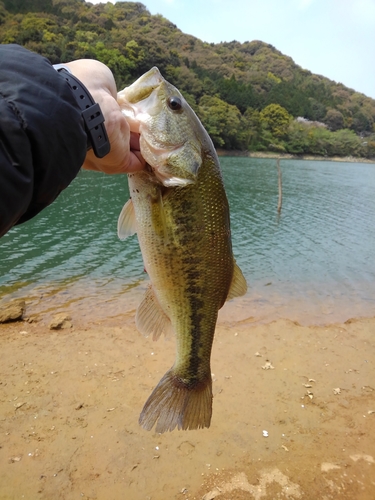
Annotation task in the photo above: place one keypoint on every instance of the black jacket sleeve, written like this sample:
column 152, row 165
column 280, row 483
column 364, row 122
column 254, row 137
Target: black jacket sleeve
column 43, row 141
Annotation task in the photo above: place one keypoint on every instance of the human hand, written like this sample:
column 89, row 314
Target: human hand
column 125, row 155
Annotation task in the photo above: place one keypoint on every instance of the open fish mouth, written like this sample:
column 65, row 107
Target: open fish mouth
column 137, row 100
column 143, row 87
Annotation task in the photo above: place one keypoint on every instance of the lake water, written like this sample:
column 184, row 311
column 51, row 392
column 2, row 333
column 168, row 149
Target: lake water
column 314, row 263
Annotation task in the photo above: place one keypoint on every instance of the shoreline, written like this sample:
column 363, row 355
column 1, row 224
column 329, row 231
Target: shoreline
column 287, row 156
column 42, row 305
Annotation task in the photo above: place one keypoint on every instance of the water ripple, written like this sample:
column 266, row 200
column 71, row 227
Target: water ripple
column 318, row 254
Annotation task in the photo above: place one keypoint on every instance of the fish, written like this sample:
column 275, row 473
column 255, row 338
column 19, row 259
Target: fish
column 179, row 210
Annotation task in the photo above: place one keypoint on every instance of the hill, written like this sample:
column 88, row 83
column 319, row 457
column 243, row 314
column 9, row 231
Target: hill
column 248, row 95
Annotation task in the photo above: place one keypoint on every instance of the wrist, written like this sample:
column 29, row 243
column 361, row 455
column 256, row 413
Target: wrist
column 91, row 113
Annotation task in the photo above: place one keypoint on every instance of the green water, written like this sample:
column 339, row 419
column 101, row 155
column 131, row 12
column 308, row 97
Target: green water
column 314, row 262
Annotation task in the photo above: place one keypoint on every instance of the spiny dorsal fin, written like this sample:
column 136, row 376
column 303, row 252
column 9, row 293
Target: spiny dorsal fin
column 238, row 287
column 150, row 318
column 126, row 224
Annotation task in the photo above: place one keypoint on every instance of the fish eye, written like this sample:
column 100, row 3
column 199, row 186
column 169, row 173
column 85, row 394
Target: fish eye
column 174, row 103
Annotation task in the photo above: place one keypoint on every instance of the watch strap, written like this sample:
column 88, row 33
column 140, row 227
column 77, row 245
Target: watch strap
column 91, row 113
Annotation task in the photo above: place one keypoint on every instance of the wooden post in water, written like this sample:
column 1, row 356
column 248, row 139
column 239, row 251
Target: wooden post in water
column 279, row 205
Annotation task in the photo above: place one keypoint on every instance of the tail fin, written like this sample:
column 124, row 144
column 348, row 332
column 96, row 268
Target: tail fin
column 175, row 404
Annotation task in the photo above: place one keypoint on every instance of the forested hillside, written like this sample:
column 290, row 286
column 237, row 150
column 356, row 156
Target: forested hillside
column 249, row 96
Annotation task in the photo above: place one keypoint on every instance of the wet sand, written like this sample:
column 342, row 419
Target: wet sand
column 293, row 413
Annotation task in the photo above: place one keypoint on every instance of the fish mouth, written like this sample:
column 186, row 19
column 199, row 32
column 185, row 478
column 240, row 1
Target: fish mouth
column 134, row 99
column 144, row 86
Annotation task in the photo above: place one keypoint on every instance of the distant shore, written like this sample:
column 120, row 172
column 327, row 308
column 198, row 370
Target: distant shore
column 287, row 156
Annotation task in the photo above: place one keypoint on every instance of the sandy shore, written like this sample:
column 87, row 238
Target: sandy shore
column 293, row 414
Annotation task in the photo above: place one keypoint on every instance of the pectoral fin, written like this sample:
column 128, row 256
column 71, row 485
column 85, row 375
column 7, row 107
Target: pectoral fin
column 238, row 286
column 150, row 318
column 126, row 224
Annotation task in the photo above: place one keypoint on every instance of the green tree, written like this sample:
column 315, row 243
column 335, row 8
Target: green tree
column 362, row 121
column 256, row 136
column 117, row 62
column 319, row 141
column 236, row 93
column 298, row 138
column 334, row 119
column 369, row 147
column 276, row 119
column 345, row 143
column 222, row 122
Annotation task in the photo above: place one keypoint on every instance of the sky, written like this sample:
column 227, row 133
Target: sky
column 333, row 38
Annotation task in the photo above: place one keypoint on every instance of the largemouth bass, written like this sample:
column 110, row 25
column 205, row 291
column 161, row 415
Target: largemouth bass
column 180, row 212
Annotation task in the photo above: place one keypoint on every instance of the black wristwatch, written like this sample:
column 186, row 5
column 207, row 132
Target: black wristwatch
column 91, row 113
